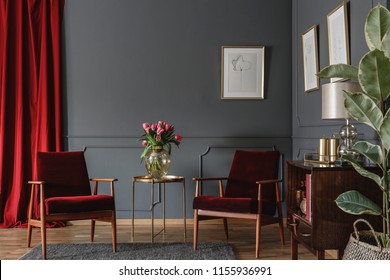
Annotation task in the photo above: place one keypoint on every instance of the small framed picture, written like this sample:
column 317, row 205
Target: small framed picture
column 242, row 72
column 310, row 58
column 338, row 41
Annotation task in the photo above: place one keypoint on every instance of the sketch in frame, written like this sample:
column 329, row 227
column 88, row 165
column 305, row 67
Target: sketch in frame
column 338, row 41
column 242, row 72
column 310, row 59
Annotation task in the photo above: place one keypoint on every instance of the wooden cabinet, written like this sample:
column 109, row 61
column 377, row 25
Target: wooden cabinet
column 330, row 227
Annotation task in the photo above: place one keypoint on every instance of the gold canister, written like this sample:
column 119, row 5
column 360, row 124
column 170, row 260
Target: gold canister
column 323, row 150
column 333, row 148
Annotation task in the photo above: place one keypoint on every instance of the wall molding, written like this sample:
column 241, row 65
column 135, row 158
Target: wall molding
column 186, row 137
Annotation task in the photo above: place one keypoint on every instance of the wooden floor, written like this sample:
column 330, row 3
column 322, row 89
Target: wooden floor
column 241, row 237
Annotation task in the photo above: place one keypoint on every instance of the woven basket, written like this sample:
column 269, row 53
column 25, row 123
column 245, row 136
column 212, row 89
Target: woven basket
column 364, row 245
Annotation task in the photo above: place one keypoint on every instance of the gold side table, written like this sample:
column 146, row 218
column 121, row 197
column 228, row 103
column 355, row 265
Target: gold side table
column 161, row 183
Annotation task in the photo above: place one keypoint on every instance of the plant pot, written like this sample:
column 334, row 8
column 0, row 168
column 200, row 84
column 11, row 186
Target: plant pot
column 365, row 245
column 157, row 162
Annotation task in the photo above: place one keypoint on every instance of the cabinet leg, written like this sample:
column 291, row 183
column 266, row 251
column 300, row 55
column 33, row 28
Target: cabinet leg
column 321, row 255
column 340, row 254
column 294, row 248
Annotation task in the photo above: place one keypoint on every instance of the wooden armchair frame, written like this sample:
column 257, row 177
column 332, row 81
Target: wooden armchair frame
column 106, row 215
column 261, row 220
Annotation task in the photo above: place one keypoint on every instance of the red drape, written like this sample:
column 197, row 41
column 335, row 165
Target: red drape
column 30, row 97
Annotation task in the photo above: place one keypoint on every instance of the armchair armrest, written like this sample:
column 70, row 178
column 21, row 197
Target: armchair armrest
column 269, row 181
column 210, row 179
column 36, row 182
column 105, row 180
column 276, row 181
column 198, row 180
column 34, row 189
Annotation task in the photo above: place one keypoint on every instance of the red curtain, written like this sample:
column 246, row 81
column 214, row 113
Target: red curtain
column 30, row 97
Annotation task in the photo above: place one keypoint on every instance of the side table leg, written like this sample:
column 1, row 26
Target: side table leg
column 152, row 209
column 163, row 207
column 132, row 214
column 184, row 210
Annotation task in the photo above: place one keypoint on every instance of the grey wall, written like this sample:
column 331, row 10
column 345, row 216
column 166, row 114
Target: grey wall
column 135, row 61
column 307, row 124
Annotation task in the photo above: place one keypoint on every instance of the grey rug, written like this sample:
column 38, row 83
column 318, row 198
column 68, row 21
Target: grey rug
column 133, row 251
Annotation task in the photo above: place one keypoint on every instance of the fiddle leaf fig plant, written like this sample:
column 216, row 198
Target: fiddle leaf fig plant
column 369, row 107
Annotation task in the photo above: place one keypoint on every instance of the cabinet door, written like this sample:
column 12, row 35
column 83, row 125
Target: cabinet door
column 332, row 226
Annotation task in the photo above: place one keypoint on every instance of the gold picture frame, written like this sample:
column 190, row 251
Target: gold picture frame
column 310, row 58
column 338, row 38
column 242, row 72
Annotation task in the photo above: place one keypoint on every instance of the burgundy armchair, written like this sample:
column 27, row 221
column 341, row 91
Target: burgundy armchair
column 65, row 194
column 252, row 192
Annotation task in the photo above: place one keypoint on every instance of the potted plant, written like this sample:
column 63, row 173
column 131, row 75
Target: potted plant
column 156, row 137
column 371, row 108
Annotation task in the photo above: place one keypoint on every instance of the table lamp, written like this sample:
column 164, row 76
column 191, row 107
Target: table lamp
column 333, row 109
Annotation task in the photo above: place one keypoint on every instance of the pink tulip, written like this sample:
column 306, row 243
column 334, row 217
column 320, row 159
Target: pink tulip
column 167, row 126
column 178, row 138
column 147, row 130
column 144, row 143
column 171, row 128
column 158, row 138
column 145, row 125
column 160, row 131
column 153, row 127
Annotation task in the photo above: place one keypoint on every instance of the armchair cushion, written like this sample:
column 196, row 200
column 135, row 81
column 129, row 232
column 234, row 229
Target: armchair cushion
column 64, row 173
column 225, row 204
column 228, row 204
column 247, row 168
column 77, row 204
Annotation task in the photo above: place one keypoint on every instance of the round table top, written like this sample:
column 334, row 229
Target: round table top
column 165, row 179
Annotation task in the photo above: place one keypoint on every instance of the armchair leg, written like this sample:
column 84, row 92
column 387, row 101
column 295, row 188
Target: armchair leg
column 196, row 224
column 258, row 231
column 29, row 217
column 281, row 232
column 93, row 222
column 29, row 233
column 280, row 218
column 113, row 228
column 42, row 213
column 225, row 226
column 43, row 237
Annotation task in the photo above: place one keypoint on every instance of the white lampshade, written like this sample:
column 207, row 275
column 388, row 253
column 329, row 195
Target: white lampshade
column 333, row 99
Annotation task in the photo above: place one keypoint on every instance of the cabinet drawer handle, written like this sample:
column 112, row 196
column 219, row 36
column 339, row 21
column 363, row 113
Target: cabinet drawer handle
column 305, row 234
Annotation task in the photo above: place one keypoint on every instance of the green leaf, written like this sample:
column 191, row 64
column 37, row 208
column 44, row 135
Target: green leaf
column 362, row 171
column 344, row 71
column 377, row 24
column 386, row 44
column 384, row 132
column 385, row 240
column 370, row 151
column 363, row 109
column 353, row 202
column 374, row 69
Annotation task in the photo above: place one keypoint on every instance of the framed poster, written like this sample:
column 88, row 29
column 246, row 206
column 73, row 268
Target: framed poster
column 310, row 58
column 242, row 72
column 338, row 36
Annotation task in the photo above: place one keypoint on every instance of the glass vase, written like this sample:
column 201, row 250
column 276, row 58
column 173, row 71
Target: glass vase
column 157, row 162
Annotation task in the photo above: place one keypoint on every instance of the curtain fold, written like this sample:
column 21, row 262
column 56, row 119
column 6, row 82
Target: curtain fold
column 30, row 97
